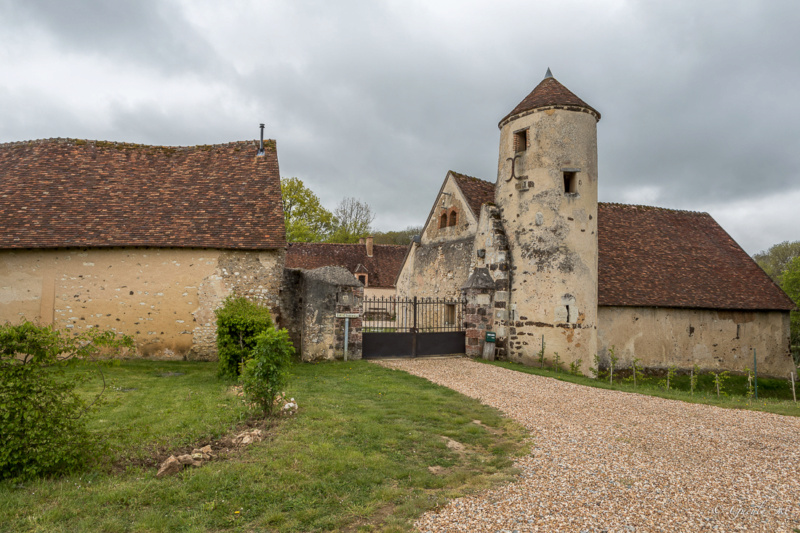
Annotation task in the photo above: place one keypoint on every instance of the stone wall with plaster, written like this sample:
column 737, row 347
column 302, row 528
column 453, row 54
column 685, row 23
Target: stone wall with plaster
column 163, row 297
column 450, row 201
column 436, row 270
column 552, row 233
column 311, row 310
column 713, row 340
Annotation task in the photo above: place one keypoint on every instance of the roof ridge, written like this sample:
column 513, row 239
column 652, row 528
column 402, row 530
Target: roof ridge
column 102, row 143
column 654, row 207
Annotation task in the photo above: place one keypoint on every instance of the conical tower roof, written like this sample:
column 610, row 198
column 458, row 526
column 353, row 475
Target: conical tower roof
column 550, row 93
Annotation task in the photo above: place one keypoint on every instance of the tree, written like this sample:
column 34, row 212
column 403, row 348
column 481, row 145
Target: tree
column 353, row 220
column 790, row 282
column 775, row 260
column 397, row 237
column 306, row 220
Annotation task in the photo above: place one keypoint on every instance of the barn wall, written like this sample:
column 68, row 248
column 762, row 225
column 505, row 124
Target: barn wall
column 163, row 298
column 714, row 340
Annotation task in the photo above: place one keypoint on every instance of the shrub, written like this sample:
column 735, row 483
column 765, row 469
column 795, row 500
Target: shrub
column 42, row 429
column 239, row 322
column 266, row 372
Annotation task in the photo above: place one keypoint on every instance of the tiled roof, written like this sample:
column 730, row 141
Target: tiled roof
column 656, row 257
column 62, row 193
column 476, row 191
column 550, row 92
column 382, row 267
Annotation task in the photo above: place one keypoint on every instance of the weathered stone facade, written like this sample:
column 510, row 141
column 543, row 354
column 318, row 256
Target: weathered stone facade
column 712, row 339
column 163, row 297
column 311, row 299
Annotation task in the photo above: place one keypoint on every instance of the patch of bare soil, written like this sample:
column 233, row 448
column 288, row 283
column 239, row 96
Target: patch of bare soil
column 223, row 447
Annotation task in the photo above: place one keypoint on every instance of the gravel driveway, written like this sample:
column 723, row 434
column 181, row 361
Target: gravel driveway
column 618, row 462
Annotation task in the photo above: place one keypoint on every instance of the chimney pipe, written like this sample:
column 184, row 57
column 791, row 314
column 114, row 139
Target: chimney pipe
column 369, row 246
column 261, row 146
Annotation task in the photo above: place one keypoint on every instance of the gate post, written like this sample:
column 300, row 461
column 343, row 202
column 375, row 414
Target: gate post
column 478, row 292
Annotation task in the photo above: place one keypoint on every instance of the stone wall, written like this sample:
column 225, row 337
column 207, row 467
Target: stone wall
column 163, row 297
column 436, row 270
column 310, row 300
column 713, row 340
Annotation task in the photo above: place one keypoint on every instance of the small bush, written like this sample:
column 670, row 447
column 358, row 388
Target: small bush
column 239, row 322
column 42, row 429
column 266, row 373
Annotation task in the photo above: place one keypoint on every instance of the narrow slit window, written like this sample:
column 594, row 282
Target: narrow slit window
column 570, row 182
column 568, row 315
column 521, row 141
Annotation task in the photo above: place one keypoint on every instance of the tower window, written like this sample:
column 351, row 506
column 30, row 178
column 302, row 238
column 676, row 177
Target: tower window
column 570, row 182
column 443, row 221
column 520, row 141
column 453, row 218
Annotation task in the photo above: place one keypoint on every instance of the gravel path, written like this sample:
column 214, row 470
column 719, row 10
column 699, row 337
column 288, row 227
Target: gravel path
column 618, row 462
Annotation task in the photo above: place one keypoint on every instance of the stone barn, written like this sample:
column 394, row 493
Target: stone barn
column 665, row 286
column 144, row 240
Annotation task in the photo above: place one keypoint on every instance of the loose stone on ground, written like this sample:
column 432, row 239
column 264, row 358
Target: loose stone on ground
column 619, row 462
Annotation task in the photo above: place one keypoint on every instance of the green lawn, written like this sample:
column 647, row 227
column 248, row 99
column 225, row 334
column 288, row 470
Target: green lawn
column 774, row 395
column 354, row 458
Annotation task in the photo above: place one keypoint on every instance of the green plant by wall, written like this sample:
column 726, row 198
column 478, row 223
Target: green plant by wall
column 239, row 322
column 670, row 379
column 612, row 357
column 693, row 377
column 637, row 375
column 556, row 362
column 575, row 367
column 266, row 373
column 595, row 370
column 42, row 424
column 719, row 381
column 541, row 355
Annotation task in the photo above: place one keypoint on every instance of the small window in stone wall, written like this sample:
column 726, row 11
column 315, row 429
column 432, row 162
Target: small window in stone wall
column 453, row 218
column 520, row 141
column 570, row 182
column 443, row 221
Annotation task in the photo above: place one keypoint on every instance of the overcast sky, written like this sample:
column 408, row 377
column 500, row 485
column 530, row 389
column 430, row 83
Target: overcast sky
column 700, row 101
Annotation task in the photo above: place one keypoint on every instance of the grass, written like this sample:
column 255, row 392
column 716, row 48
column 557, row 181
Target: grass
column 774, row 395
column 356, row 457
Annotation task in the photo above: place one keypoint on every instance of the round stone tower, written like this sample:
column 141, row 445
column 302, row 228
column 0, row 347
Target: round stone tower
column 547, row 191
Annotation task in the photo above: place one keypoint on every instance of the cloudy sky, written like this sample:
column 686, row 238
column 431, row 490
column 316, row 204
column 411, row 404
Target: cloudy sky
column 378, row 99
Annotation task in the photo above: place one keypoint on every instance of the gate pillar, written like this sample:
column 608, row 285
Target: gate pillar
column 478, row 292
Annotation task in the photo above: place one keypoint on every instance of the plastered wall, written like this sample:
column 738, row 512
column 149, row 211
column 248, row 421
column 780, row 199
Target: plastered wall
column 436, row 270
column 163, row 298
column 552, row 235
column 713, row 340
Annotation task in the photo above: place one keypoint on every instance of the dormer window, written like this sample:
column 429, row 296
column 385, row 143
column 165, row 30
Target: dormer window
column 363, row 279
column 520, row 140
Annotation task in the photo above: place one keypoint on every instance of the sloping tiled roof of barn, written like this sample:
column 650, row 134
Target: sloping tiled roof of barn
column 550, row 93
column 382, row 267
column 476, row 191
column 655, row 257
column 63, row 193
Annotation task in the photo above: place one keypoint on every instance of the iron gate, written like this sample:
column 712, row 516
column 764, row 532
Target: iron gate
column 409, row 327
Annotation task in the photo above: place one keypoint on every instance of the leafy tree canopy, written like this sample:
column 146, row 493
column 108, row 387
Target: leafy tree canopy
column 306, row 219
column 353, row 220
column 775, row 260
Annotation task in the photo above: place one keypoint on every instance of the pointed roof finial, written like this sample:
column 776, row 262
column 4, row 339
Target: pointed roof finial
column 548, row 74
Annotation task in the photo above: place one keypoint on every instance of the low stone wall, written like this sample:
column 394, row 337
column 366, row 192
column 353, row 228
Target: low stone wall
column 311, row 299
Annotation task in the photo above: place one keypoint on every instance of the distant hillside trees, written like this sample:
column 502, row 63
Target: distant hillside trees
column 397, row 237
column 782, row 263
